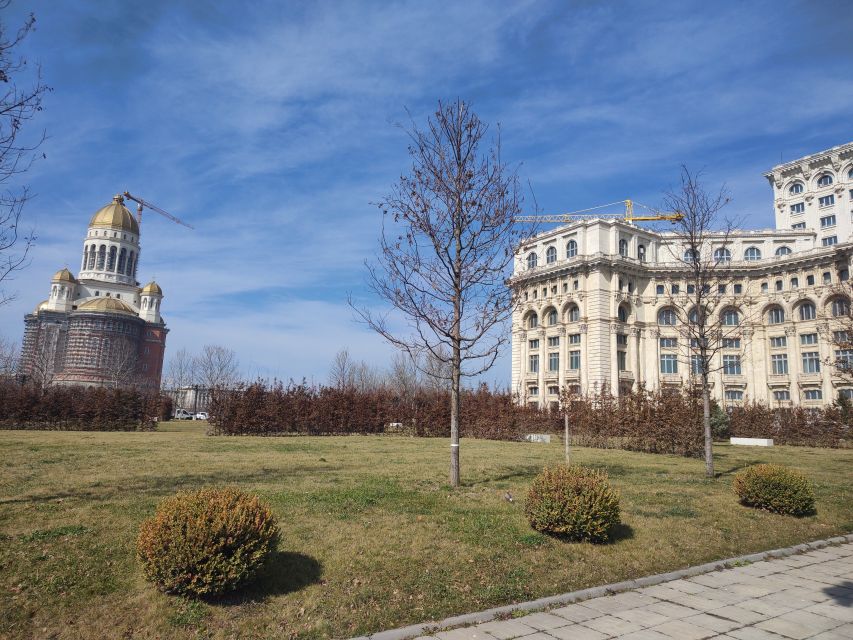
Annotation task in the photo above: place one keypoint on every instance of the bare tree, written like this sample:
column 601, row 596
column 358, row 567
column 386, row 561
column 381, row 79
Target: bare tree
column 708, row 313
column 9, row 351
column 366, row 377
column 341, row 371
column 181, row 372
column 840, row 331
column 42, row 367
column 18, row 105
column 437, row 370
column 216, row 366
column 121, row 364
column 444, row 256
column 404, row 376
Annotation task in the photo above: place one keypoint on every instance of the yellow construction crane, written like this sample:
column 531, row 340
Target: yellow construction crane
column 140, row 203
column 628, row 215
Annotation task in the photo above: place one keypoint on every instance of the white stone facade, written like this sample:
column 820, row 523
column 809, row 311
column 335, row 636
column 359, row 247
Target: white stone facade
column 591, row 295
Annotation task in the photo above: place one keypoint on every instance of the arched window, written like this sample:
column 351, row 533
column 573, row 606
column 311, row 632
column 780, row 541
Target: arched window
column 533, row 321
column 102, row 257
column 825, row 180
column 130, row 264
column 85, row 258
column 850, row 173
column 92, row 251
column 784, row 250
column 111, row 261
column 693, row 316
column 641, row 253
column 552, row 317
column 623, row 248
column 691, row 255
column 573, row 314
column 622, row 313
column 531, row 260
column 571, row 249
column 807, row 311
column 775, row 315
column 667, row 317
column 722, row 255
column 797, row 187
column 753, row 253
column 122, row 259
column 551, row 255
column 840, row 307
column 730, row 317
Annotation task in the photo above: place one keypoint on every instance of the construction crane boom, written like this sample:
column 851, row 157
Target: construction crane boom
column 140, row 203
column 627, row 215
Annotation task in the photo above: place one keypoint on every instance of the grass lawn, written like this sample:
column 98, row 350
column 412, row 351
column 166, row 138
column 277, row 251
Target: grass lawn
column 372, row 538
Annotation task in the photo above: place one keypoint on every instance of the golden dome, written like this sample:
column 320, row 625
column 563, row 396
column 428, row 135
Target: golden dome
column 152, row 288
column 64, row 275
column 115, row 216
column 41, row 305
column 106, row 305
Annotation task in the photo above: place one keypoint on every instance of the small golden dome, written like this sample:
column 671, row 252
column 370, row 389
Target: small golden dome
column 152, row 288
column 115, row 216
column 64, row 275
column 41, row 305
column 106, row 305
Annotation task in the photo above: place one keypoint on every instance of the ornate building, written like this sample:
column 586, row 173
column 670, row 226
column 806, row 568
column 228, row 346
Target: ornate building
column 100, row 328
column 598, row 299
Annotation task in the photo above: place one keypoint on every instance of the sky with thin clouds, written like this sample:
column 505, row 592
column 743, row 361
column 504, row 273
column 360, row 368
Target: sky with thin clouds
column 272, row 127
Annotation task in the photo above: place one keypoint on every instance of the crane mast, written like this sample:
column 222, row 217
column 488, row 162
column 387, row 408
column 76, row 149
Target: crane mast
column 628, row 215
column 140, row 204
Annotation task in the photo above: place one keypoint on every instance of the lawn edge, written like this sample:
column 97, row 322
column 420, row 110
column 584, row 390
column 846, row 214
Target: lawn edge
column 548, row 602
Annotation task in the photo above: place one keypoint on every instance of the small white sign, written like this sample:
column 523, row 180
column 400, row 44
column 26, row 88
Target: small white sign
column 753, row 442
column 544, row 438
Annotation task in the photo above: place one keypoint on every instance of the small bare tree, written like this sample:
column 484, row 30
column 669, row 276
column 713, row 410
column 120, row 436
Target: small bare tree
column 18, row 105
column 708, row 312
column 216, row 366
column 9, row 352
column 42, row 367
column 445, row 252
column 181, row 372
column 121, row 364
column 341, row 371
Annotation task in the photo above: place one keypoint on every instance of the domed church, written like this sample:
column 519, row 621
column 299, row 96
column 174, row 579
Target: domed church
column 100, row 328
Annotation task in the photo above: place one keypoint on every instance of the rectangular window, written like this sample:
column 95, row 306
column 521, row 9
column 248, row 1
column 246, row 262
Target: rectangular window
column 782, row 396
column 779, row 361
column 721, row 288
column 811, row 362
column 533, row 391
column 622, row 360
column 798, row 207
column 668, row 343
column 621, row 339
column 808, row 338
column 554, row 341
column 565, row 287
column 659, row 290
column 696, row 365
column 829, row 241
column 553, row 390
column 574, row 360
column 691, row 288
column 734, row 394
column 731, row 343
column 826, row 201
column 534, row 364
column 799, row 225
column 575, row 285
column 554, row 361
column 668, row 363
column 778, row 285
column 777, row 342
column 534, row 344
column 764, row 287
column 827, row 277
column 827, row 221
column 738, row 288
column 840, row 337
column 813, row 394
column 731, row 365
column 575, row 338
column 844, row 359
column 675, row 288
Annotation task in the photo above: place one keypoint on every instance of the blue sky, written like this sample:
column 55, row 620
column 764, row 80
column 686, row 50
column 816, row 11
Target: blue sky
column 269, row 126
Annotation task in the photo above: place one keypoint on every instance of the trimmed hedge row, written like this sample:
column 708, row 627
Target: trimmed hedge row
column 63, row 408
column 826, row 427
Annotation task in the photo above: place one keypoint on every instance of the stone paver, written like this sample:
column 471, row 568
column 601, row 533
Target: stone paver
column 798, row 597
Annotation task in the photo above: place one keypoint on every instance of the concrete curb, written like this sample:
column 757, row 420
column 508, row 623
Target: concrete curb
column 428, row 628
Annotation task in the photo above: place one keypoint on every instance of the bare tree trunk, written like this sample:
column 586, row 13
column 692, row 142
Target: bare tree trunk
column 455, row 406
column 706, row 423
column 567, row 436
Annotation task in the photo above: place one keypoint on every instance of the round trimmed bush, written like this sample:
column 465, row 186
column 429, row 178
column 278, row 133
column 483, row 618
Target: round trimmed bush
column 574, row 503
column 775, row 488
column 206, row 542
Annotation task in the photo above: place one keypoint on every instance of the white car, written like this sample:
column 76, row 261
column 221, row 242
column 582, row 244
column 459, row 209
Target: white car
column 201, row 415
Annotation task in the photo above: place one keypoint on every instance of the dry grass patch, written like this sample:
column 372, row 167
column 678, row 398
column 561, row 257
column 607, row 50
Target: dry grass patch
column 371, row 536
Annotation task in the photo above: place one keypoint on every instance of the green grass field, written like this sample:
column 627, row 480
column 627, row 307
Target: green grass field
column 372, row 538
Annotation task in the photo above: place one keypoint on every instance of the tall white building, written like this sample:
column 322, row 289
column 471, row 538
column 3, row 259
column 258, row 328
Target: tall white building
column 596, row 299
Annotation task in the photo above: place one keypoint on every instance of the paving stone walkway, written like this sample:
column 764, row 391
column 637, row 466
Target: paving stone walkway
column 809, row 595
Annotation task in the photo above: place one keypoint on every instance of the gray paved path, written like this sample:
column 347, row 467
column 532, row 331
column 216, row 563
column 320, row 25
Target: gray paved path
column 801, row 596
